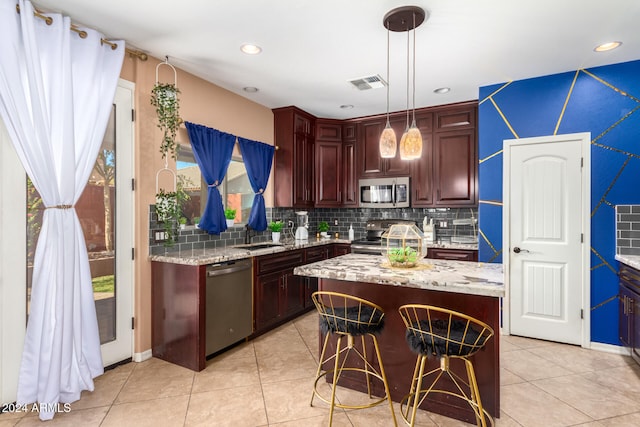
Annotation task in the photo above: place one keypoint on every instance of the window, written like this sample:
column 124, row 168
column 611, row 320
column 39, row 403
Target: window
column 236, row 189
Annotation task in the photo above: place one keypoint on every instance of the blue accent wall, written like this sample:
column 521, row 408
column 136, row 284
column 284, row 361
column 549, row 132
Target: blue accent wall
column 604, row 101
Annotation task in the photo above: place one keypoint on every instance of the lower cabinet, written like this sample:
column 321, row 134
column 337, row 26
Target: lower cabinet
column 453, row 254
column 277, row 291
column 629, row 297
column 279, row 295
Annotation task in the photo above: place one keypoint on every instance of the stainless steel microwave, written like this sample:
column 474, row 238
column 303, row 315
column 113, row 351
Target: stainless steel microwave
column 384, row 192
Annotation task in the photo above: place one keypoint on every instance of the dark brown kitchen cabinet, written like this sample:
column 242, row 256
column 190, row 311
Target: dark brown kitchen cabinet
column 455, row 162
column 314, row 254
column 447, row 172
column 371, row 165
column 349, row 167
column 336, row 179
column 278, row 293
column 341, row 249
column 293, row 173
column 453, row 254
column 178, row 314
column 328, row 159
column 629, row 297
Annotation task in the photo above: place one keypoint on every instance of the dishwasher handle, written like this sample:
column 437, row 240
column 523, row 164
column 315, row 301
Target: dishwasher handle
column 226, row 268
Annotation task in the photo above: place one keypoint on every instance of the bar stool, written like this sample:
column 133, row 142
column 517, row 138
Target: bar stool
column 348, row 317
column 445, row 334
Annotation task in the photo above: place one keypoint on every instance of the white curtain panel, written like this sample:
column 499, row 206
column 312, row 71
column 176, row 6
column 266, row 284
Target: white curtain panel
column 56, row 93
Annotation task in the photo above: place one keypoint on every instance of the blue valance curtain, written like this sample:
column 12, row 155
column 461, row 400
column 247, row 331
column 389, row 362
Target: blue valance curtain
column 258, row 158
column 212, row 150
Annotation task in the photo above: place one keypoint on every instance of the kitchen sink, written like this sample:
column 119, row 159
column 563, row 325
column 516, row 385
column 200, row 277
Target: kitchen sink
column 257, row 246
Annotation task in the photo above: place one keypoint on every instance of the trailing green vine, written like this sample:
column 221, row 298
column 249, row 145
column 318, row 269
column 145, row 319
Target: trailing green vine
column 168, row 212
column 164, row 97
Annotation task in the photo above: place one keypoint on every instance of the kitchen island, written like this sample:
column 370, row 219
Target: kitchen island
column 468, row 287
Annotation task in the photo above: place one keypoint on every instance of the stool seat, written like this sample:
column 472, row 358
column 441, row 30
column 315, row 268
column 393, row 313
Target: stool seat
column 440, row 337
column 435, row 332
column 356, row 320
column 347, row 316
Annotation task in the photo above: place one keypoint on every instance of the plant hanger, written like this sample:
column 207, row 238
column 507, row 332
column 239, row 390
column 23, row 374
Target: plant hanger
column 175, row 74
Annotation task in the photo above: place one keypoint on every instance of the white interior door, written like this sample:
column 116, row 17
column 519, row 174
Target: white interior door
column 545, row 211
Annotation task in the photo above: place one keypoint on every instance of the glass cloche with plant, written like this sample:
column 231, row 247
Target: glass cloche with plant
column 403, row 243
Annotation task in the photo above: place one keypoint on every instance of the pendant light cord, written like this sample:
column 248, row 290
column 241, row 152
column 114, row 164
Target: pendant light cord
column 408, row 78
column 388, row 50
column 414, row 69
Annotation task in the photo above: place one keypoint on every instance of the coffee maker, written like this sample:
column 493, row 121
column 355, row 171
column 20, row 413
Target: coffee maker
column 302, row 232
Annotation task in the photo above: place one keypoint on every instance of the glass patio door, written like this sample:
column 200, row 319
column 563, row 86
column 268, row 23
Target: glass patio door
column 105, row 211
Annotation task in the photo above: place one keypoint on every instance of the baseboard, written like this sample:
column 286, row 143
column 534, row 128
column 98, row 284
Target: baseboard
column 610, row 348
column 141, row 357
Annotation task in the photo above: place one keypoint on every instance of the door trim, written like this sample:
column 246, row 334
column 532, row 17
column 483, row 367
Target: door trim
column 583, row 138
column 122, row 348
column 13, row 271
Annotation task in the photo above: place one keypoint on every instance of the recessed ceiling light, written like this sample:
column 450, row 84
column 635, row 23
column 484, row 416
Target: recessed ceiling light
column 441, row 90
column 250, row 89
column 346, row 106
column 250, row 49
column 607, row 46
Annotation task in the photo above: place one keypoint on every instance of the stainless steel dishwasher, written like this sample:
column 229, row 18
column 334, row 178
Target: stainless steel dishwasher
column 229, row 304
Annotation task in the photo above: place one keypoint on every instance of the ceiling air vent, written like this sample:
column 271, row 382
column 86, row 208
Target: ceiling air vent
column 368, row 82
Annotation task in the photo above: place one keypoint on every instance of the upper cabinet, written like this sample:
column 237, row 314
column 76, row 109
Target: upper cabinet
column 319, row 161
column 349, row 170
column 294, row 159
column 370, row 164
column 334, row 161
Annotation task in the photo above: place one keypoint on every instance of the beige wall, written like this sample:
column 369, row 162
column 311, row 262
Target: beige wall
column 202, row 103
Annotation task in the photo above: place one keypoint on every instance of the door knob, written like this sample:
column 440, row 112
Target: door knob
column 518, row 250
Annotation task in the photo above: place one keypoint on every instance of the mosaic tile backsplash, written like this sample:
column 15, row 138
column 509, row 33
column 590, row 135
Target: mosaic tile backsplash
column 628, row 229
column 194, row 238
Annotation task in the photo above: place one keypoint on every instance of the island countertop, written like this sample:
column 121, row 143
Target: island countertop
column 474, row 278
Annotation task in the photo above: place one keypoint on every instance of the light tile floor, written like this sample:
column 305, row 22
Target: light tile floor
column 267, row 382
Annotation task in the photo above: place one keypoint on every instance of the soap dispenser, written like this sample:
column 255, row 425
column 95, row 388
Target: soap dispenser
column 351, row 233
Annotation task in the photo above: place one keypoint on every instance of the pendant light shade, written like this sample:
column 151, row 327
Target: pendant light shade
column 388, row 141
column 411, row 143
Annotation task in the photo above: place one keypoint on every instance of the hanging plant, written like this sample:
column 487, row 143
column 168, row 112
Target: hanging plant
column 164, row 97
column 168, row 212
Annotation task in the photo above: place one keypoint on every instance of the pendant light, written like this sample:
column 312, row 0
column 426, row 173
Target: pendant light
column 405, row 19
column 388, row 140
column 411, row 143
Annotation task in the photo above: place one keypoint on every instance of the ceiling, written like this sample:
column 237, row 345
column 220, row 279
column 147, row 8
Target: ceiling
column 310, row 50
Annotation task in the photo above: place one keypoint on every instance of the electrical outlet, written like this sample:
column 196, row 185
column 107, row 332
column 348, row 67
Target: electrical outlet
column 335, row 221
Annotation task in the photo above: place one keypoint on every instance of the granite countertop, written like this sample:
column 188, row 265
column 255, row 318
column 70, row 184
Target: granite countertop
column 632, row 261
column 473, row 278
column 228, row 253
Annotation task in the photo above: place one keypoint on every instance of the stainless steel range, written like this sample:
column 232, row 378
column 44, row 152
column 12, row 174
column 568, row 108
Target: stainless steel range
column 372, row 243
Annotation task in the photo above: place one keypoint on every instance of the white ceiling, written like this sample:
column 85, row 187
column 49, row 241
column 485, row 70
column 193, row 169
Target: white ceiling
column 311, row 49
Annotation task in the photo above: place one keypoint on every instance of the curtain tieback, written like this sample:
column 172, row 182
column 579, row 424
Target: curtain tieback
column 60, row 207
column 215, row 184
column 260, row 191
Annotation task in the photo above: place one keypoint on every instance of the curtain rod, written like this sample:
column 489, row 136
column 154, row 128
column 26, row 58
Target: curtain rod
column 83, row 34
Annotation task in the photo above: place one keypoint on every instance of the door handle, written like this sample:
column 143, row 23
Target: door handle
column 518, row 250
